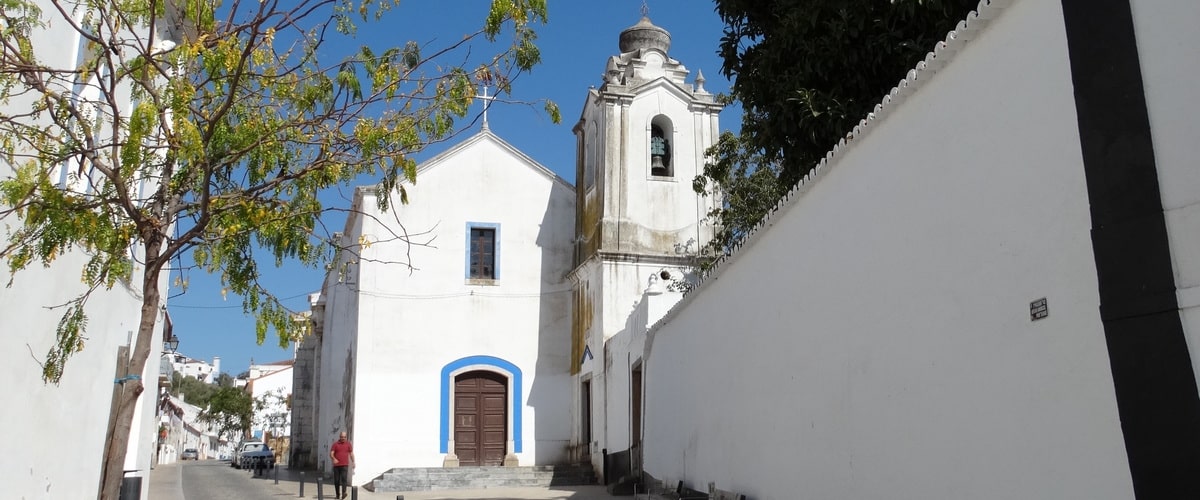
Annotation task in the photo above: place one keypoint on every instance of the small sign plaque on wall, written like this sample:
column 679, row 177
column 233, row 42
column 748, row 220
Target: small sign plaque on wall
column 1038, row 309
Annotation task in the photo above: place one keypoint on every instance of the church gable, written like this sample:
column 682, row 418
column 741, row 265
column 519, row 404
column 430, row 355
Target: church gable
column 495, row 155
column 480, row 213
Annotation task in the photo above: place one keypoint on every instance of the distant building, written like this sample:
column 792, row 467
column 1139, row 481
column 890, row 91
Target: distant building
column 271, row 384
column 197, row 369
column 180, row 428
column 262, row 370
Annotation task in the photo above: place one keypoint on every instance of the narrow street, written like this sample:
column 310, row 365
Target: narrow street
column 216, row 480
column 209, row 480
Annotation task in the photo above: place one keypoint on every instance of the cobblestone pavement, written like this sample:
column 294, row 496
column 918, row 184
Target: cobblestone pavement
column 216, row 480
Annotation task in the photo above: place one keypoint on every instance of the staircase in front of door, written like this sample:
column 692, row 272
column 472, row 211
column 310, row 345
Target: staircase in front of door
column 458, row 478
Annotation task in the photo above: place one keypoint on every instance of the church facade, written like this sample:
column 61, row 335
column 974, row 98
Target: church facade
column 469, row 330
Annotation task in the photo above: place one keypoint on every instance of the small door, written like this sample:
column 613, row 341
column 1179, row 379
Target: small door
column 480, row 418
column 635, row 410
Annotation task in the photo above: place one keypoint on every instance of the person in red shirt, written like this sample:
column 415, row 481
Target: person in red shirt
column 342, row 454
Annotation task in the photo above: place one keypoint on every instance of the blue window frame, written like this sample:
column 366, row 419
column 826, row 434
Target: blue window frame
column 483, row 251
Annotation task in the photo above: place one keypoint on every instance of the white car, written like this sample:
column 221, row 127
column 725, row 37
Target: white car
column 236, row 462
column 255, row 456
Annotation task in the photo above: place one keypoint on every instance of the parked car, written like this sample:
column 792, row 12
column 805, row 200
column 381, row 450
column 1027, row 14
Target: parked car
column 236, row 461
column 254, row 453
column 190, row 454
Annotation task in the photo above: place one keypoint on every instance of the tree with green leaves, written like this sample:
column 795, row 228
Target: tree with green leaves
column 195, row 391
column 188, row 127
column 805, row 72
column 272, row 412
column 230, row 411
column 225, row 380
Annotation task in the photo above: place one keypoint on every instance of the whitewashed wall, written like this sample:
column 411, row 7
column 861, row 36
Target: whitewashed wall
column 73, row 414
column 622, row 354
column 334, row 361
column 619, row 318
column 657, row 203
column 875, row 341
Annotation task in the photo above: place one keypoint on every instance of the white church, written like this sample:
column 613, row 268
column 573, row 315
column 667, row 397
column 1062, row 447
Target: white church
column 468, row 330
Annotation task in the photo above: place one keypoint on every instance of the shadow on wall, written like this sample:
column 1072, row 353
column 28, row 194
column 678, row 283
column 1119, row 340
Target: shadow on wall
column 348, row 385
column 345, row 420
column 550, row 391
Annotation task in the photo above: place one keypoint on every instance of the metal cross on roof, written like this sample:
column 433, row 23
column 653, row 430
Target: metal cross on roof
column 487, row 102
column 645, row 9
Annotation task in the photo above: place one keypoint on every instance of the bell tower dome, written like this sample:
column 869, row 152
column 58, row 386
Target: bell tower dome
column 645, row 35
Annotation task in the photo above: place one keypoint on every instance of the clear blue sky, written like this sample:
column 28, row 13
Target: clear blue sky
column 575, row 45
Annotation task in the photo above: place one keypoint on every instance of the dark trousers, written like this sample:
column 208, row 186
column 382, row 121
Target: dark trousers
column 341, row 485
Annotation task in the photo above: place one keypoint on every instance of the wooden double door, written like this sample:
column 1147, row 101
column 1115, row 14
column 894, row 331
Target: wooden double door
column 480, row 418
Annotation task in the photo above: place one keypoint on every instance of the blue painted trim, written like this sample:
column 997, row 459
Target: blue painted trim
column 495, row 251
column 514, row 382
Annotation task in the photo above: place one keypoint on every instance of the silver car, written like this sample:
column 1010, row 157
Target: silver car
column 190, row 454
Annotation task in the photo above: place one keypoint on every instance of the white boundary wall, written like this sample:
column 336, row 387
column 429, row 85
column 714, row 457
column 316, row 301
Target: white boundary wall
column 876, row 341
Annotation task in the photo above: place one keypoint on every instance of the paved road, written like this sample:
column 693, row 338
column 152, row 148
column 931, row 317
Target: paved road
column 216, row 480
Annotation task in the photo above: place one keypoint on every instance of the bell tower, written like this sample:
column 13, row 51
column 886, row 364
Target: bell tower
column 640, row 142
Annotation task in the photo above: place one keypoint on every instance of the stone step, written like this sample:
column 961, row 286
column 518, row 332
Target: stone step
column 449, row 478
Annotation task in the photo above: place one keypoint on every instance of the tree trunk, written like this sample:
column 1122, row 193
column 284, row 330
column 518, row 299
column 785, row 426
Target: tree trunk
column 120, row 422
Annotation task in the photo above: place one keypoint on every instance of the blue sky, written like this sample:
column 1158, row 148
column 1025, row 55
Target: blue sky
column 575, row 45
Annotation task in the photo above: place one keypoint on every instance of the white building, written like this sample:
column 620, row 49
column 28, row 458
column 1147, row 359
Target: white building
column 73, row 414
column 478, row 334
column 180, row 428
column 272, row 385
column 197, row 369
column 263, row 369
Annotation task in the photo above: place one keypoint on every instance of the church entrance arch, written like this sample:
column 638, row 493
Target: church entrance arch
column 480, row 418
column 481, row 406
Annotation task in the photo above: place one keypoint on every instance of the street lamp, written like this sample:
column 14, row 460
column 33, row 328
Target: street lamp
column 170, row 341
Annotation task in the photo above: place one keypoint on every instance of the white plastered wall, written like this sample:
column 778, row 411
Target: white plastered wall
column 875, row 340
column 76, row 410
column 336, row 360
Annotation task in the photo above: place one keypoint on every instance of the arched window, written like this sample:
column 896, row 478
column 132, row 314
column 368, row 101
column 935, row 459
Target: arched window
column 660, row 147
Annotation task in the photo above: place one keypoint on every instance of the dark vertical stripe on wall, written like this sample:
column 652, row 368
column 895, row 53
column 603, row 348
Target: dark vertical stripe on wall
column 1152, row 370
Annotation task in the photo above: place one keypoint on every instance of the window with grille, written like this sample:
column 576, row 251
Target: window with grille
column 483, row 253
